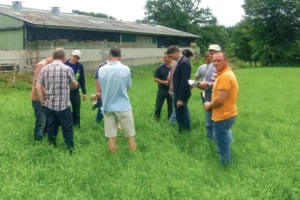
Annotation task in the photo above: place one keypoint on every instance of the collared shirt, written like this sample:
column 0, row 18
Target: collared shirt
column 226, row 81
column 201, row 71
column 172, row 70
column 115, row 80
column 210, row 76
column 57, row 77
column 179, row 59
column 37, row 70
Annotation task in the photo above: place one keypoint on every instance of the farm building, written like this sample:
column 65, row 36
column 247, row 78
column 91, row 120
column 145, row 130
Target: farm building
column 27, row 33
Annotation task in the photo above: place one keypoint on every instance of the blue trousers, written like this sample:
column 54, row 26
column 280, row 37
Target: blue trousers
column 223, row 136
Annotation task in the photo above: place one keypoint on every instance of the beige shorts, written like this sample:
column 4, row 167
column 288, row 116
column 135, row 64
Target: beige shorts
column 125, row 119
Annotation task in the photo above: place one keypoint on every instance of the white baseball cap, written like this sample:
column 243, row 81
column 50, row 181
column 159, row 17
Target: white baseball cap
column 214, row 47
column 76, row 53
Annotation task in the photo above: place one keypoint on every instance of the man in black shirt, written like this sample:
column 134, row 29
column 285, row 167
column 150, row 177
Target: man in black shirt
column 161, row 77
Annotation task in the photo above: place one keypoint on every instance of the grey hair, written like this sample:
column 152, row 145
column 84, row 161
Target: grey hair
column 59, row 53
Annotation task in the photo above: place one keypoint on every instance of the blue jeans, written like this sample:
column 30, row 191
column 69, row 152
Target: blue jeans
column 40, row 120
column 173, row 119
column 99, row 115
column 63, row 117
column 209, row 125
column 182, row 115
column 223, row 136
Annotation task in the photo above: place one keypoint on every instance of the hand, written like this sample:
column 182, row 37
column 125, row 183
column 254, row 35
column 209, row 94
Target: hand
column 203, row 85
column 166, row 82
column 84, row 97
column 179, row 103
column 98, row 94
column 207, row 105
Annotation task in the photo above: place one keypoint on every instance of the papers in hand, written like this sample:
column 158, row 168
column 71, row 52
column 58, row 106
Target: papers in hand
column 193, row 83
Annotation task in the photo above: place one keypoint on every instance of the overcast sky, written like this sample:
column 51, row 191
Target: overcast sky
column 228, row 12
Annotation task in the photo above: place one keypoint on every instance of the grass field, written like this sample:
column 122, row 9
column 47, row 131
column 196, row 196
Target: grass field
column 266, row 148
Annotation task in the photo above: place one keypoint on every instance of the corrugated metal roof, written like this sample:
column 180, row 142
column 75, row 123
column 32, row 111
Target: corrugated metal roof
column 70, row 20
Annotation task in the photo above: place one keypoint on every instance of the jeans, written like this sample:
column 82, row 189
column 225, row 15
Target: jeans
column 209, row 125
column 40, row 120
column 173, row 119
column 75, row 101
column 183, row 116
column 223, row 137
column 99, row 115
column 160, row 98
column 63, row 117
column 208, row 120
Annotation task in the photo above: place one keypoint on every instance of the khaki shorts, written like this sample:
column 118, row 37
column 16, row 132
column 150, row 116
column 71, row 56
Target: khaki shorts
column 125, row 119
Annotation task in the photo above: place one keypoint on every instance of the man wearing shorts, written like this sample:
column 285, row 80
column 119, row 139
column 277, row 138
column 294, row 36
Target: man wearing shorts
column 115, row 81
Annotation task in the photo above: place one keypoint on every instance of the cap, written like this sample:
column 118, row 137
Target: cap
column 76, row 53
column 214, row 47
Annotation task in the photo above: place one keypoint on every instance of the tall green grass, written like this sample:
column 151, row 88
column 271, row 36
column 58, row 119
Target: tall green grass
column 167, row 165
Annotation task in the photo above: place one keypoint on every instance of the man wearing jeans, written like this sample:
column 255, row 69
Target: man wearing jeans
column 115, row 81
column 57, row 78
column 223, row 106
column 161, row 77
column 207, row 85
column 182, row 90
column 40, row 118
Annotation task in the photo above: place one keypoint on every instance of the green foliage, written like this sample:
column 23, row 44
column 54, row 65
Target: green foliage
column 100, row 15
column 167, row 165
column 182, row 15
column 274, row 30
column 213, row 35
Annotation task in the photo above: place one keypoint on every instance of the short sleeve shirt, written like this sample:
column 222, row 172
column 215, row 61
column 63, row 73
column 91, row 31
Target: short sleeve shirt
column 57, row 77
column 226, row 81
column 162, row 73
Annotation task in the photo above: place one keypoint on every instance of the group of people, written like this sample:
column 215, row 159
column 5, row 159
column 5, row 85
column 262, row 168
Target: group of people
column 57, row 85
column 219, row 92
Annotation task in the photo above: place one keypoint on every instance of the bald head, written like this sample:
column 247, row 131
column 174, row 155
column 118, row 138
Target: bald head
column 220, row 61
column 59, row 54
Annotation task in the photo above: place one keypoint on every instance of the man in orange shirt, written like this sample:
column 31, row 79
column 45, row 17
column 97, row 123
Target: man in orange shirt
column 40, row 118
column 223, row 105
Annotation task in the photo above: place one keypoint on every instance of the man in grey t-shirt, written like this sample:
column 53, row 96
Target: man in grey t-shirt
column 207, row 85
column 201, row 73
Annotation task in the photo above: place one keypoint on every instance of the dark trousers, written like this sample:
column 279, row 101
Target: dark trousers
column 64, row 118
column 40, row 120
column 75, row 101
column 182, row 115
column 160, row 98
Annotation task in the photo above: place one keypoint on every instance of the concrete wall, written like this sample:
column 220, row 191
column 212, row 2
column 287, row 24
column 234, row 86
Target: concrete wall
column 91, row 58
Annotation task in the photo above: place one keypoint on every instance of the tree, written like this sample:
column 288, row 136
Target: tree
column 274, row 29
column 182, row 15
column 240, row 41
column 212, row 35
column 100, row 15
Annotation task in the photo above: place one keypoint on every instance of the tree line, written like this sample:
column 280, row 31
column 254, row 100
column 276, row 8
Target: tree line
column 269, row 32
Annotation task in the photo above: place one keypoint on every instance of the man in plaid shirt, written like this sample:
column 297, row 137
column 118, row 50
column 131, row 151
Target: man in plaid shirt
column 57, row 78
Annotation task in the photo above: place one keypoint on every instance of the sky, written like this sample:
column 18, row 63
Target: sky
column 228, row 12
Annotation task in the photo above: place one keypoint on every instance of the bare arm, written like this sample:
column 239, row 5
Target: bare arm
column 157, row 80
column 40, row 93
column 98, row 90
column 75, row 84
column 217, row 102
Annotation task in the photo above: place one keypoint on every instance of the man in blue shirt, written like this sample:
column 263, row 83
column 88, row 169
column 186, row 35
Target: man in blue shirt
column 115, row 81
column 78, row 70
